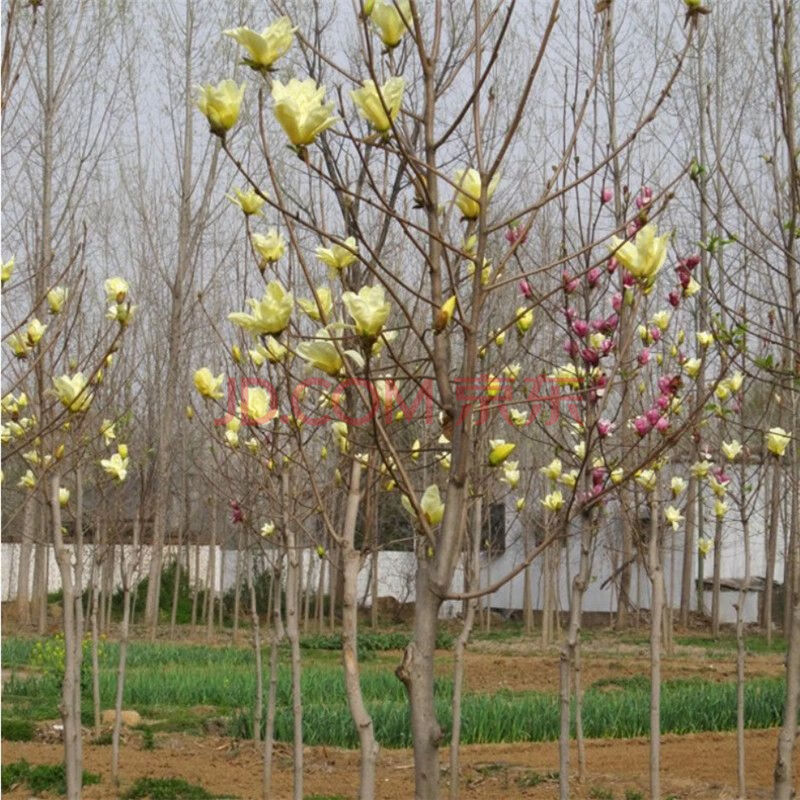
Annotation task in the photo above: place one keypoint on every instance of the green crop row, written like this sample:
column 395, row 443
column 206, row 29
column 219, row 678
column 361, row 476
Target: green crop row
column 687, row 706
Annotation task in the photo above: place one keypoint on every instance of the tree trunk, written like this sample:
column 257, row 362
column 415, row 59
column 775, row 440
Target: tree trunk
column 293, row 634
column 569, row 649
column 740, row 658
column 126, row 571
column 272, row 692
column 715, row 598
column 772, row 549
column 23, row 601
column 416, row 673
column 210, row 576
column 259, row 698
column 656, row 610
column 351, row 560
column 237, row 589
column 70, row 707
column 689, row 550
column 471, row 581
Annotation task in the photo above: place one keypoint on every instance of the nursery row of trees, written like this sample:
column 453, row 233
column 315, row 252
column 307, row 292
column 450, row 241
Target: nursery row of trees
column 424, row 258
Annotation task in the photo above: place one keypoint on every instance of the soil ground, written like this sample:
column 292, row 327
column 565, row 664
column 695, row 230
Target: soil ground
column 694, row 766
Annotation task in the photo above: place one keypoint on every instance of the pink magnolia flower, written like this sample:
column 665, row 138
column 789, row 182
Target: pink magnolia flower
column 612, row 265
column 604, row 427
column 642, row 426
column 606, row 195
column 674, row 298
column 571, row 348
column 570, row 283
column 653, row 415
column 581, row 328
column 644, row 357
column 590, row 356
column 616, row 301
column 662, row 426
column 593, row 276
column 516, row 234
column 525, row 289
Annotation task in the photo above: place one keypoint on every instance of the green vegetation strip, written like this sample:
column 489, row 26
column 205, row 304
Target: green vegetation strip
column 40, row 778
column 169, row 680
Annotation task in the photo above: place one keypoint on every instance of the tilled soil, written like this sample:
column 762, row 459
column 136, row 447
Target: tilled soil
column 693, row 766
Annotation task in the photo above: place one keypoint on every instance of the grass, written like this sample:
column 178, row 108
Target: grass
column 40, row 778
column 168, row 789
column 18, row 730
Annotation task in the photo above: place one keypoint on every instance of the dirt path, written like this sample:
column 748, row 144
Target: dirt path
column 695, row 766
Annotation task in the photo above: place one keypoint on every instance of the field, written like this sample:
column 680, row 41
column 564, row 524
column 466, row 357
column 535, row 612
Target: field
column 195, row 703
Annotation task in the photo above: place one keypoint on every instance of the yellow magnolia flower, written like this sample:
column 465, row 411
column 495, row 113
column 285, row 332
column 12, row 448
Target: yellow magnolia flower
column 369, row 310
column 704, row 338
column 56, row 298
column 552, row 470
column 63, row 497
column 580, row 450
column 35, row 331
column 72, row 392
column 232, row 438
column 692, row 288
column 390, row 21
column 121, row 312
column 661, row 320
column 692, row 367
column 554, row 501
column 468, row 191
column 322, row 354
column 673, row 517
column 777, row 441
column 19, row 345
column 734, row 382
column 415, row 448
column 511, row 473
column 267, row 529
column 486, row 271
column 116, row 290
column 731, row 449
column 569, row 375
column 250, row 201
column 122, row 449
column 524, row 319
column 252, row 444
column 373, row 105
column 107, row 431
column 339, row 430
column 312, row 307
column 256, row 404
column 270, row 246
column 720, row 508
column 6, row 270
column 430, row 503
column 116, row 466
column 644, row 256
column 257, row 357
column 499, row 451
column 616, row 475
column 717, row 487
column 267, row 47
column 270, row 314
column 511, row 371
column 520, row 504
column 677, row 484
column 700, row 469
column 518, row 418
column 207, row 384
column 27, row 481
column 32, row 457
column 704, row 545
column 236, row 354
column 301, row 111
column 445, row 314
column 569, row 479
column 499, row 338
column 646, row 478
column 221, row 104
column 338, row 256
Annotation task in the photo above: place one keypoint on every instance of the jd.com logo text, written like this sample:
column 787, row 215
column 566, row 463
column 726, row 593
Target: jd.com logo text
column 483, row 396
